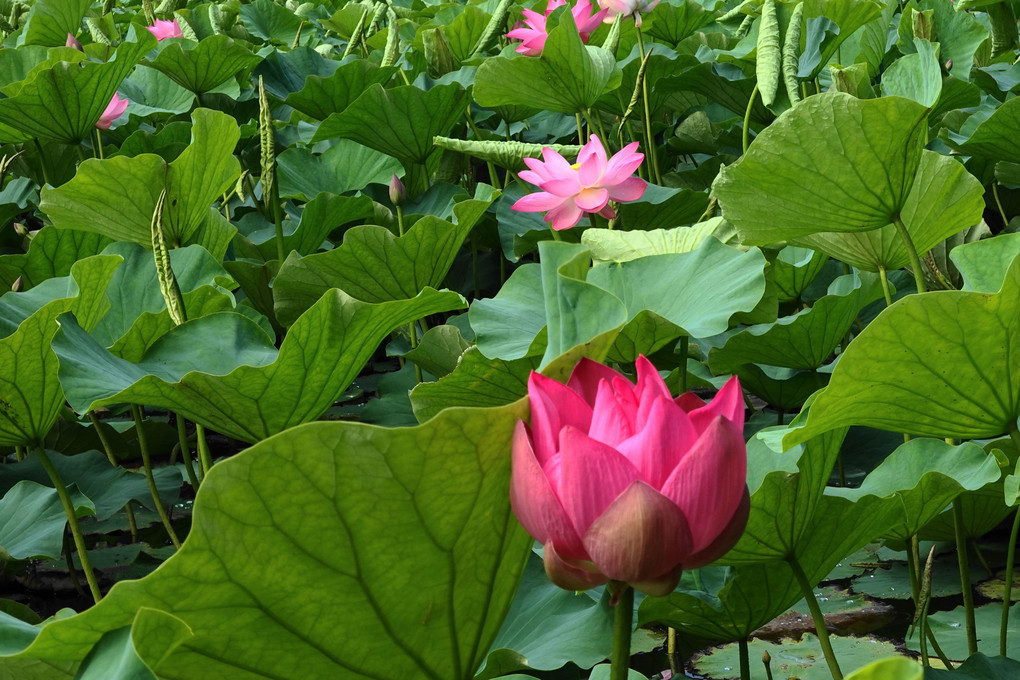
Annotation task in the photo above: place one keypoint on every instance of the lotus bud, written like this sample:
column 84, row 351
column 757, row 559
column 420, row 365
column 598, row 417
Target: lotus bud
column 16, row 286
column 623, row 484
column 398, row 194
column 72, row 42
column 20, row 229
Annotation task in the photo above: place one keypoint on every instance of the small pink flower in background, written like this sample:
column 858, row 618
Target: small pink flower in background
column 622, row 482
column 72, row 42
column 113, row 111
column 534, row 35
column 165, row 29
column 633, row 8
column 569, row 191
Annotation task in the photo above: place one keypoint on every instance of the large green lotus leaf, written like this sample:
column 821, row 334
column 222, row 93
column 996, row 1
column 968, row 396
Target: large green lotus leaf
column 16, row 64
column 119, row 653
column 203, row 66
column 400, row 122
column 117, row 196
column 978, row 667
column 941, row 472
column 439, row 350
column 920, row 368
column 506, row 325
column 805, row 340
column 951, row 631
column 608, row 245
column 266, row 512
column 786, row 389
column 150, row 91
column 915, row 76
column 63, row 103
column 794, row 269
column 831, row 163
column 698, row 291
column 238, row 384
column 134, row 288
column 802, row 659
column 569, row 77
column 663, row 208
column 32, row 521
column 848, row 15
column 944, row 200
column 494, row 382
column 345, row 166
column 272, row 22
column 49, row 21
column 107, row 488
column 960, row 35
column 284, row 73
column 372, row 265
column 53, row 251
column 996, row 136
column 983, row 264
column 322, row 96
column 673, row 23
column 32, row 396
column 323, row 214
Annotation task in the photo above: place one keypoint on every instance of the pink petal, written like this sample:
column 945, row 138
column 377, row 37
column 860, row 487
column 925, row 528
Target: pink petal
column 630, row 189
column 592, row 475
column 535, row 503
column 660, row 586
column 710, row 481
column 592, row 162
column 727, row 539
column 610, row 421
column 586, row 376
column 658, row 448
column 639, row 537
column 649, row 383
column 566, row 575
column 689, row 401
column 565, row 216
column 622, row 165
column 728, row 403
column 556, row 165
column 567, row 187
column 532, row 177
column 537, row 202
column 592, row 200
column 553, row 407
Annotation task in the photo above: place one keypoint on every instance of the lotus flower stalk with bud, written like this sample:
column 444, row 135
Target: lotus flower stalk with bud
column 587, row 186
column 623, row 483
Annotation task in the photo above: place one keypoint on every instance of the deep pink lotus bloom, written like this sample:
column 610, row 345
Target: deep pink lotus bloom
column 165, row 29
column 534, row 35
column 113, row 111
column 621, row 482
column 569, row 191
column 633, row 8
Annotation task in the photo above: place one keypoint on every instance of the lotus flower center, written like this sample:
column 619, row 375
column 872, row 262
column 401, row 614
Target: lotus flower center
column 575, row 166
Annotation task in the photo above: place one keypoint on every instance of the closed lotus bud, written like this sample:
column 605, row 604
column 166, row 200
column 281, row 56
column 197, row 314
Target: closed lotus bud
column 621, row 482
column 949, row 65
column 398, row 194
column 72, row 42
column 20, row 229
column 16, row 286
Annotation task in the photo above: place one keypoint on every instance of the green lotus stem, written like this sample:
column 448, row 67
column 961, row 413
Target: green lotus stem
column 684, row 347
column 182, row 439
column 623, row 623
column 745, row 660
column 493, row 177
column 885, row 285
column 413, row 331
column 766, row 660
column 968, row 593
column 819, row 618
column 745, row 135
column 204, row 457
column 72, row 522
column 400, row 221
column 143, row 445
column 108, row 449
column 915, row 261
column 19, row 453
column 652, row 156
column 99, row 145
column 42, row 161
column 580, row 128
column 671, row 654
column 914, row 573
column 1007, row 593
column 998, row 203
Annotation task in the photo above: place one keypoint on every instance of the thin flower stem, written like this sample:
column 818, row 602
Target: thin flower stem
column 182, row 438
column 623, row 623
column 72, row 521
column 745, row 137
column 671, row 653
column 968, row 592
column 580, row 129
column 42, row 161
column 998, row 204
column 143, row 445
column 649, row 139
column 819, row 618
column 1007, row 593
column 885, row 285
column 413, row 331
column 113, row 461
column 99, row 145
column 204, row 457
column 915, row 261
column 745, row 659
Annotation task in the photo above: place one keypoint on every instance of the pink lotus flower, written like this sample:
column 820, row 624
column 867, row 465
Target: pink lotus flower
column 570, row 191
column 165, row 29
column 113, row 111
column 621, row 482
column 533, row 37
column 633, row 8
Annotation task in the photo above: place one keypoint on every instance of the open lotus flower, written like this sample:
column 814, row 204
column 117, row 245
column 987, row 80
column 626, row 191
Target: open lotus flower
column 113, row 111
column 621, row 482
column 165, row 29
column 534, row 34
column 627, row 8
column 570, row 191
